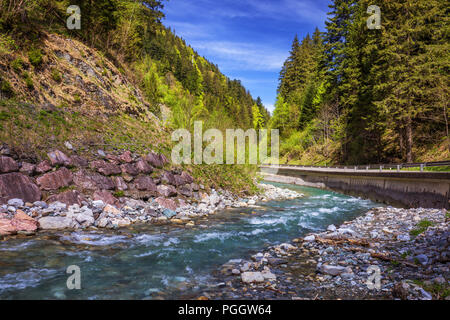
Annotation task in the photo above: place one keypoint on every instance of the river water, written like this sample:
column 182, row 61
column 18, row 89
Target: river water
column 162, row 262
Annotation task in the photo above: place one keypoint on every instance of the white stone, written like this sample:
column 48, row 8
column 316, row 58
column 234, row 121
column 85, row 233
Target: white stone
column 252, row 277
column 310, row 238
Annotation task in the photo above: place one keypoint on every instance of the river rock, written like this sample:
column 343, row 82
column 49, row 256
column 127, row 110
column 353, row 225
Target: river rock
column 129, row 168
column 126, row 157
column 106, row 197
column 54, row 223
column 334, row 270
column 145, row 183
column 252, row 277
column 16, row 203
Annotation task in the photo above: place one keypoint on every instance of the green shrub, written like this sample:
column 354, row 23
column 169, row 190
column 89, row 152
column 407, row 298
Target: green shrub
column 28, row 80
column 35, row 57
column 17, row 65
column 56, row 75
column 6, row 88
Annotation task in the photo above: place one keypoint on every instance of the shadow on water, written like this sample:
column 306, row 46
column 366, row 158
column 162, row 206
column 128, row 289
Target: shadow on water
column 151, row 262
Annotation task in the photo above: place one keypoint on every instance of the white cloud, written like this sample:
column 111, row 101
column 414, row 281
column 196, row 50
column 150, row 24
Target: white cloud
column 242, row 56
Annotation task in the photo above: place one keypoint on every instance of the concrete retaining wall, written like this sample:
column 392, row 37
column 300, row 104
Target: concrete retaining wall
column 408, row 190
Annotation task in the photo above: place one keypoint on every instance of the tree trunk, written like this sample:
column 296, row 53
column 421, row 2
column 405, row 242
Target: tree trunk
column 409, row 140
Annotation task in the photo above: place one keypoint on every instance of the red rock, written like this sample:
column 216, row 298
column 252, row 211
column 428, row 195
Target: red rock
column 167, row 191
column 28, row 168
column 126, row 157
column 17, row 185
column 8, row 164
column 185, row 190
column 130, row 169
column 44, row 167
column 93, row 181
column 55, row 180
column 105, row 168
column 120, row 183
column 144, row 167
column 78, row 162
column 106, row 197
column 70, row 197
column 6, row 227
column 113, row 159
column 155, row 160
column 58, row 158
column 22, row 222
column 167, row 203
column 145, row 183
column 168, row 178
column 187, row 177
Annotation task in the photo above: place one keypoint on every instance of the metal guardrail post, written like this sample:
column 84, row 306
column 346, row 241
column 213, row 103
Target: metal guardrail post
column 421, row 167
column 398, row 168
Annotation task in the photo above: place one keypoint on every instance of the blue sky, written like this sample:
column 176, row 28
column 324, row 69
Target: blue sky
column 250, row 39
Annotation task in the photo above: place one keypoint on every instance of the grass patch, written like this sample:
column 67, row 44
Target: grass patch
column 56, row 76
column 35, row 57
column 422, row 226
column 17, row 65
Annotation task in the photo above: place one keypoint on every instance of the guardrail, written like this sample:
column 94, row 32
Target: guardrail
column 381, row 167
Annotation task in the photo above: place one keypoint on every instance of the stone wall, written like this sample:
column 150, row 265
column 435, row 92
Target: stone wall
column 71, row 178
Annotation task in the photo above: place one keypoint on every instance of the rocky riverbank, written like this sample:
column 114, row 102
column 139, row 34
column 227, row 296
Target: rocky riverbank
column 407, row 248
column 18, row 217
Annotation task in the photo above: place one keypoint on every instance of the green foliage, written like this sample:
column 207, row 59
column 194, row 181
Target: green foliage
column 6, row 88
column 56, row 75
column 422, row 226
column 28, row 80
column 35, row 57
column 17, row 65
column 378, row 95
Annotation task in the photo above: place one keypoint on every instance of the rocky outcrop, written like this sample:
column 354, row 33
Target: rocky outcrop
column 8, row 164
column 55, row 180
column 18, row 185
column 105, row 168
column 68, row 197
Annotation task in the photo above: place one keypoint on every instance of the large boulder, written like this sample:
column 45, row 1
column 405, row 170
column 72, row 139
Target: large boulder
column 55, row 223
column 185, row 190
column 17, row 185
column 8, row 164
column 252, row 277
column 145, row 183
column 23, row 222
column 44, row 167
column 126, row 157
column 187, row 178
column 94, row 181
column 70, row 197
column 144, row 167
column 120, row 183
column 106, row 197
column 156, row 160
column 106, row 168
column 78, row 162
column 167, row 191
column 6, row 227
column 167, row 203
column 168, row 178
column 129, row 168
column 58, row 158
column 55, row 180
column 27, row 168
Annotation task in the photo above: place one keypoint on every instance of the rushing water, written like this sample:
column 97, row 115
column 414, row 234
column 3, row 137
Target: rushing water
column 162, row 262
